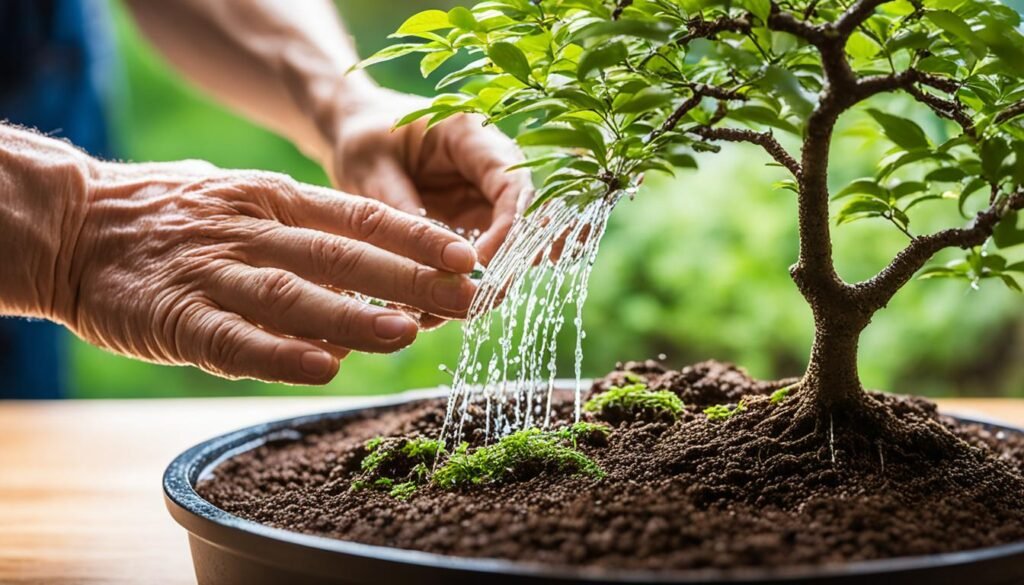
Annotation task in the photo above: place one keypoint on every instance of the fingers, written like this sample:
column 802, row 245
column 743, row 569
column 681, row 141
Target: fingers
column 284, row 303
column 225, row 344
column 373, row 222
column 388, row 183
column 504, row 216
column 346, row 264
column 483, row 156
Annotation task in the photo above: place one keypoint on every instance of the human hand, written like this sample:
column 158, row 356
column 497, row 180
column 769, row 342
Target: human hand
column 233, row 271
column 456, row 171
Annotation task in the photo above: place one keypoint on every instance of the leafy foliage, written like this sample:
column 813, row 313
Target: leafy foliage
column 635, row 399
column 608, row 90
column 518, row 456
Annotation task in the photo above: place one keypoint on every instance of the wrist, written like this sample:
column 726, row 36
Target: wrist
column 327, row 95
column 44, row 185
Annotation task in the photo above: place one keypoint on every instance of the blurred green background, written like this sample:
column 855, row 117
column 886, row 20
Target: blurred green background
column 695, row 267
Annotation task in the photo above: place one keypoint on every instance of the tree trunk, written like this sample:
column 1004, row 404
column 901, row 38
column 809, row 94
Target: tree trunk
column 831, row 381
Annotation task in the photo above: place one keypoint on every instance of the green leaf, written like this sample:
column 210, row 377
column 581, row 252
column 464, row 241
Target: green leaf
column 1010, row 282
column 946, row 175
column 762, row 9
column 426, row 21
column 541, row 161
column 394, row 52
column 903, row 132
column 601, row 57
column 762, row 115
column 863, row 187
column 970, row 189
column 645, row 100
column 860, row 208
column 417, row 114
column 995, row 153
column 907, row 188
column 651, row 30
column 462, row 18
column 1008, row 232
column 958, row 27
column 432, row 61
column 511, row 60
column 559, row 136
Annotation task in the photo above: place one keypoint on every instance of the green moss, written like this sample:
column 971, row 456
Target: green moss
column 781, row 394
column 587, row 432
column 634, row 399
column 403, row 491
column 724, row 411
column 393, row 465
column 520, row 455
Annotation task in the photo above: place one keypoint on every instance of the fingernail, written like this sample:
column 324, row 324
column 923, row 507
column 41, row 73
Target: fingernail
column 454, row 294
column 317, row 364
column 458, row 257
column 388, row 327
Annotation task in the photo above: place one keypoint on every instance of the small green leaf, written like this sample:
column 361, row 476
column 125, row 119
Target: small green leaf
column 1010, row 282
column 1008, row 233
column 860, row 208
column 644, row 101
column 762, row 9
column 863, row 187
column 426, row 21
column 903, row 132
column 946, row 175
column 600, row 57
column 958, row 27
column 510, row 59
column 558, row 136
column 461, row 17
column 432, row 61
column 651, row 30
column 394, row 52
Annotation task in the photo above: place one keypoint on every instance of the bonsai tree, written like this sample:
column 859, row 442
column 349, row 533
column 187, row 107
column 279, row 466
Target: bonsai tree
column 616, row 89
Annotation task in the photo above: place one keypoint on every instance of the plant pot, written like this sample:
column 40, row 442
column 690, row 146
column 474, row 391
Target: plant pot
column 227, row 549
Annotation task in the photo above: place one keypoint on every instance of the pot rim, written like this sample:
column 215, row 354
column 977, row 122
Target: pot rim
column 204, row 520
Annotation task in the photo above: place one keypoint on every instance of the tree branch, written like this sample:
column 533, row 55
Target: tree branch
column 1010, row 112
column 786, row 22
column 952, row 109
column 698, row 28
column 855, row 16
column 763, row 139
column 877, row 291
column 700, row 91
column 621, row 6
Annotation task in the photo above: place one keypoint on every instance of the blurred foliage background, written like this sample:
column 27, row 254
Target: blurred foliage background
column 695, row 267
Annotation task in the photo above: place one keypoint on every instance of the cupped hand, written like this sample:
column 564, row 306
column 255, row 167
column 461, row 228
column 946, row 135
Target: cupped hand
column 457, row 172
column 241, row 272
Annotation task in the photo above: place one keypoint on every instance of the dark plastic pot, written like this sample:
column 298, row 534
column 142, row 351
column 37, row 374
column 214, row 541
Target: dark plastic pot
column 228, row 550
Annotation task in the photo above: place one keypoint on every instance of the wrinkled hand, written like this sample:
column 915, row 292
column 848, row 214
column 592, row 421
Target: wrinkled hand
column 456, row 171
column 238, row 272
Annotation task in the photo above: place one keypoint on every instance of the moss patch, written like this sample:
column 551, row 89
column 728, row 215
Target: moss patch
column 724, row 411
column 398, row 465
column 520, row 456
column 635, row 401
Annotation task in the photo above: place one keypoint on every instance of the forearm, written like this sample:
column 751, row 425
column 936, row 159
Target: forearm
column 280, row 65
column 43, row 187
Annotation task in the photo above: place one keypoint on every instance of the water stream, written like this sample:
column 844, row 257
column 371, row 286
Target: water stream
column 508, row 362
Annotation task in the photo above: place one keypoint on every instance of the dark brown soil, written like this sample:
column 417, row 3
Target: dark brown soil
column 774, row 485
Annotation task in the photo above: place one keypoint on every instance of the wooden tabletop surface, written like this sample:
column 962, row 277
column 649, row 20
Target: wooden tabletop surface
column 80, row 494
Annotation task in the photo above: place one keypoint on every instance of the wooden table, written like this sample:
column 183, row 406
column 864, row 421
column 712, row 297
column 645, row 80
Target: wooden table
column 80, row 494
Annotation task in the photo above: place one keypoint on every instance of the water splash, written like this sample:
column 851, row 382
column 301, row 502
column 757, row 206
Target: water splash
column 508, row 361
